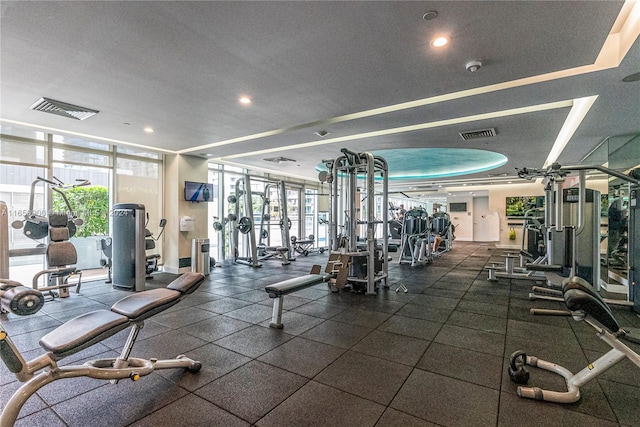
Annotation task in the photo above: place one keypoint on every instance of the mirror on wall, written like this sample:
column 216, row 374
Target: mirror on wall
column 623, row 154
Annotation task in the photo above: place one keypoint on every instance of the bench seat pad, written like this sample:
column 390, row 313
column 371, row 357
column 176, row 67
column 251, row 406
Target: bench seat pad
column 291, row 285
column 82, row 332
column 140, row 306
column 580, row 295
column 187, row 283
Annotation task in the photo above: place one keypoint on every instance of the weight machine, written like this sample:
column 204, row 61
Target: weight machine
column 367, row 260
column 265, row 250
column 60, row 254
column 243, row 225
column 574, row 250
column 415, row 238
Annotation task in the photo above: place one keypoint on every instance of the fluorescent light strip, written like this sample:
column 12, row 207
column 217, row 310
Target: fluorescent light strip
column 411, row 128
column 85, row 135
column 581, row 107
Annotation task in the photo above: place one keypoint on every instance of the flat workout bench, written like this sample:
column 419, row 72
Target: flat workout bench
column 280, row 289
column 88, row 329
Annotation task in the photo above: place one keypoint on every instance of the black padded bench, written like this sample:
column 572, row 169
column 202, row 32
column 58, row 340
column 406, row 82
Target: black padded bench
column 584, row 304
column 90, row 328
column 280, row 289
column 82, row 332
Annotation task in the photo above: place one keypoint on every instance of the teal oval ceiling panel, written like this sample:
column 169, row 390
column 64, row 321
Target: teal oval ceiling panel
column 430, row 163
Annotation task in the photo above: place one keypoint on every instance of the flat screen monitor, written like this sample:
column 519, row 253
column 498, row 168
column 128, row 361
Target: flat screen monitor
column 458, row 207
column 198, row 191
column 517, row 206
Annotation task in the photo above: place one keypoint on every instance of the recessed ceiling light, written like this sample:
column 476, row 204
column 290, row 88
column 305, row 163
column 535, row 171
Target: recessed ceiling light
column 439, row 41
column 245, row 100
column 148, row 129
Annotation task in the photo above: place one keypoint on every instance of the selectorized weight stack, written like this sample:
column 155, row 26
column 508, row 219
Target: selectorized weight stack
column 129, row 261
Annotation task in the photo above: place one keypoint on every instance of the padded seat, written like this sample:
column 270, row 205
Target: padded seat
column 580, row 296
column 140, row 306
column 291, row 285
column 187, row 283
column 87, row 329
column 82, row 332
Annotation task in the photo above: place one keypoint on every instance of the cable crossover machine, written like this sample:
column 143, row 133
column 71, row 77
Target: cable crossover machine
column 352, row 177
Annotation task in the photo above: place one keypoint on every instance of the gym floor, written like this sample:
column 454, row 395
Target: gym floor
column 436, row 355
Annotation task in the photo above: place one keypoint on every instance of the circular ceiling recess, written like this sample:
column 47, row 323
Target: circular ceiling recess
column 430, row 163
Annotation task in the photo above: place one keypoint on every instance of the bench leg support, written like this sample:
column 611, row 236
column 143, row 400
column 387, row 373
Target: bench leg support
column 276, row 317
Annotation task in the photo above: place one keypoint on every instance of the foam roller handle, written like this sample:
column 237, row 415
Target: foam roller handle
column 21, row 300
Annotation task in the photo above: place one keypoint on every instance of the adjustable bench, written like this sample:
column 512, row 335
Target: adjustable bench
column 88, row 329
column 280, row 289
column 584, row 304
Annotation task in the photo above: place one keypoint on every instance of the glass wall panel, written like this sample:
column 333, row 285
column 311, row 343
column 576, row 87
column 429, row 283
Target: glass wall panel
column 139, row 181
column 139, row 152
column 624, row 155
column 23, row 151
column 15, row 130
column 81, row 142
column 15, row 191
column 82, row 157
column 310, row 211
column 89, row 203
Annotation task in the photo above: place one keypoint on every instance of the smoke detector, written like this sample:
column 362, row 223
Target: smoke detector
column 473, row 66
column 63, row 109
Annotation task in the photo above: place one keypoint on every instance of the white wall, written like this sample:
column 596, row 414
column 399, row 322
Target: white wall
column 178, row 169
column 497, row 203
column 463, row 221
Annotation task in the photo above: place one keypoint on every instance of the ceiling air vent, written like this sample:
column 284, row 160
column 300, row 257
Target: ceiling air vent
column 63, row 109
column 278, row 160
column 475, row 134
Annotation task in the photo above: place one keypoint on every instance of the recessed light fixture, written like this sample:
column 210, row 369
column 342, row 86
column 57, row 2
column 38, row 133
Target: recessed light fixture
column 245, row 100
column 148, row 129
column 439, row 41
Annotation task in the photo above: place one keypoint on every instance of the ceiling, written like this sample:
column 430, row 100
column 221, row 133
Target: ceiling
column 364, row 72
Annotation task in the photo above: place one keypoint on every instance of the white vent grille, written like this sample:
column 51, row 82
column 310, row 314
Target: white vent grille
column 63, row 109
column 278, row 160
column 475, row 134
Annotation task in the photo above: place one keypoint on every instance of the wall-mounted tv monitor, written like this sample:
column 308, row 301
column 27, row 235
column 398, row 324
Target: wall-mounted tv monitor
column 198, row 191
column 458, row 207
column 517, row 206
